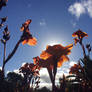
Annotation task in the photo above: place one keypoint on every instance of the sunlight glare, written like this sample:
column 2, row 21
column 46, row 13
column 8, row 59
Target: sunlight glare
column 72, row 63
column 23, row 63
column 52, row 42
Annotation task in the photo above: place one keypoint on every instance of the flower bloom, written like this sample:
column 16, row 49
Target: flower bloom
column 79, row 34
column 76, row 69
column 29, row 68
column 58, row 51
column 25, row 25
column 76, row 40
column 27, row 36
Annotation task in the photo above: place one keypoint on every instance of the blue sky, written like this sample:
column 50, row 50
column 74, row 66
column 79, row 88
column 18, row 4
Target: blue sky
column 53, row 21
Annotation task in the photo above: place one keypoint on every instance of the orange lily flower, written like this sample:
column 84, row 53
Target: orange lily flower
column 79, row 34
column 27, row 36
column 76, row 40
column 76, row 69
column 53, row 57
column 58, row 51
column 25, row 25
column 30, row 67
column 79, row 37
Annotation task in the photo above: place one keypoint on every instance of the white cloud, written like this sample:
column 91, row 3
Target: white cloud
column 44, row 75
column 0, row 68
column 80, row 8
column 77, row 9
column 16, row 71
column 48, row 85
column 8, row 72
column 72, row 63
column 23, row 64
column 88, row 5
column 45, row 80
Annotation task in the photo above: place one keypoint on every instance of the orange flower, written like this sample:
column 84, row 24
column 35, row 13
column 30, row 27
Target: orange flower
column 76, row 40
column 27, row 36
column 62, row 59
column 58, row 51
column 76, row 69
column 53, row 57
column 28, row 68
column 25, row 25
column 79, row 34
column 35, row 59
column 30, row 41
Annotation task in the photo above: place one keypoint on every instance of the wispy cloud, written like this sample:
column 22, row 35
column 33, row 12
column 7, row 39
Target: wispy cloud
column 29, row 5
column 77, row 9
column 88, row 5
column 74, row 23
column 80, row 8
column 42, row 22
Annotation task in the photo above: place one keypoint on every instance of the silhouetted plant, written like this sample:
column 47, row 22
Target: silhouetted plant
column 26, row 37
column 62, row 82
column 83, row 71
column 43, row 89
column 51, row 58
column 79, row 35
column 3, row 3
column 31, row 76
column 2, row 21
column 16, row 80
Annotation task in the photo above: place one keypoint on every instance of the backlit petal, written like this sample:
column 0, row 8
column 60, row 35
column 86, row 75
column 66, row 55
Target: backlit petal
column 24, row 42
column 32, row 41
column 44, row 55
column 63, row 59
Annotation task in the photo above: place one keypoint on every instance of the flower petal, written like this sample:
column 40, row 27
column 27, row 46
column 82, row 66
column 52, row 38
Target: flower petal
column 32, row 41
column 44, row 55
column 76, row 41
column 63, row 59
column 79, row 34
column 24, row 42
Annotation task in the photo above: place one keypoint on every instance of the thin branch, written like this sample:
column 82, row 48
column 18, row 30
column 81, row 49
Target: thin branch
column 13, row 52
column 4, row 56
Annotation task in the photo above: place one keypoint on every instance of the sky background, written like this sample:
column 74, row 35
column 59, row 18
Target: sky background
column 53, row 22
